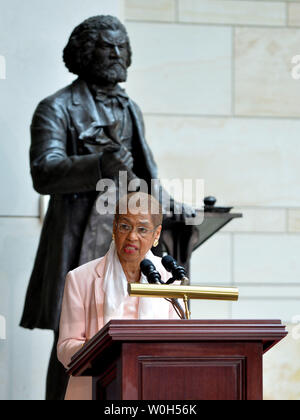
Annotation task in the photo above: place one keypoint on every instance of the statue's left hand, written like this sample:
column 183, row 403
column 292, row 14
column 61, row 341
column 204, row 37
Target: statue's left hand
column 180, row 211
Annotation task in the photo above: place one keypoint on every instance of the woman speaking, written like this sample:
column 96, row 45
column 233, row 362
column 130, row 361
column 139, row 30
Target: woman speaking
column 97, row 291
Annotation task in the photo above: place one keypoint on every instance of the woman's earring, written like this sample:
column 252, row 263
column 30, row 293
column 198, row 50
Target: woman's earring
column 113, row 237
column 156, row 242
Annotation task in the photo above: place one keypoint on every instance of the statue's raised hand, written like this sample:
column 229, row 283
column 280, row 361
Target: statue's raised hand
column 115, row 159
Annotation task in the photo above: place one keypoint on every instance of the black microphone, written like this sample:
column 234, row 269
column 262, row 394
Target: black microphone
column 178, row 272
column 149, row 270
column 154, row 277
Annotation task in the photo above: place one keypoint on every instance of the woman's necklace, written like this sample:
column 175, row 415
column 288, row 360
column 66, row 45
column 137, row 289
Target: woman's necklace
column 132, row 277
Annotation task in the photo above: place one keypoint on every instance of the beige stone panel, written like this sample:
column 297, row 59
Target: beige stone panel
column 281, row 368
column 232, row 12
column 174, row 71
column 244, row 162
column 209, row 309
column 264, row 85
column 294, row 220
column 211, row 262
column 266, row 259
column 294, row 14
column 271, row 291
column 280, row 301
column 258, row 220
column 154, row 10
column 283, row 309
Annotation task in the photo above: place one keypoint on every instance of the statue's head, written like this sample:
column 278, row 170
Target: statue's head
column 99, row 50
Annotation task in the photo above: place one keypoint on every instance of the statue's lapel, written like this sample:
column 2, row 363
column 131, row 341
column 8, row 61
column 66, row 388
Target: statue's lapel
column 83, row 109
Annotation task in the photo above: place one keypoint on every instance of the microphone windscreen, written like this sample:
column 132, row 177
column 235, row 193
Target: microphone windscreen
column 168, row 262
column 146, row 267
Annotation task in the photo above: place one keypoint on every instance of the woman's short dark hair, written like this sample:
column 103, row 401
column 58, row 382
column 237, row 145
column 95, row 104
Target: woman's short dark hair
column 147, row 203
column 79, row 51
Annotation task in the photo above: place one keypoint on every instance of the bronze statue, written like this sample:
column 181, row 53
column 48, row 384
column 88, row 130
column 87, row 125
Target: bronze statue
column 67, row 159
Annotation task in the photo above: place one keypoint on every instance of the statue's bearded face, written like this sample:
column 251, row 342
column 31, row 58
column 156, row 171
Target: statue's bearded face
column 110, row 59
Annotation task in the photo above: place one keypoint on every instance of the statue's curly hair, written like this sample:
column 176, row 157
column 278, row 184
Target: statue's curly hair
column 78, row 53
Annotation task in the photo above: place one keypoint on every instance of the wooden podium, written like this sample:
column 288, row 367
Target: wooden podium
column 178, row 359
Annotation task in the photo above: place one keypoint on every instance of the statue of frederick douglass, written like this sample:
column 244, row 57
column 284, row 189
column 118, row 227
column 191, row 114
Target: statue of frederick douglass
column 67, row 160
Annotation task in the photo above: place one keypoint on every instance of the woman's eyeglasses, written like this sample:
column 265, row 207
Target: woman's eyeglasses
column 140, row 230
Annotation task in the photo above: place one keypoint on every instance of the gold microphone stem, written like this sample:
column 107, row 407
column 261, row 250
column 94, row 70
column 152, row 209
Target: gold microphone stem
column 187, row 312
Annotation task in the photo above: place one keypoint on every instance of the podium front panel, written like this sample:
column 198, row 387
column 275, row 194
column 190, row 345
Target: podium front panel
column 191, row 371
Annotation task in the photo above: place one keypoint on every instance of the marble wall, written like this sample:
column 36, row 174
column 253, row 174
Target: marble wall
column 214, row 81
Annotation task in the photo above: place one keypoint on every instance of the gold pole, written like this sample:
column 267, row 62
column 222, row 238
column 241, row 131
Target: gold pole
column 187, row 312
